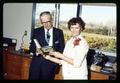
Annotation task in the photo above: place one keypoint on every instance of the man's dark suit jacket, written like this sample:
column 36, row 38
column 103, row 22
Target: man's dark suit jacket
column 47, row 67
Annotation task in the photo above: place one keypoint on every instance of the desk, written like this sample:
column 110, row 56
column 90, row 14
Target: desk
column 16, row 67
column 59, row 75
column 101, row 76
column 92, row 75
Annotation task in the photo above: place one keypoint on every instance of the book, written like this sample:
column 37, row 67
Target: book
column 43, row 50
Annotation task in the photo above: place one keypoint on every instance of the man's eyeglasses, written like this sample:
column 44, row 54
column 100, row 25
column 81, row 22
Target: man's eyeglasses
column 46, row 22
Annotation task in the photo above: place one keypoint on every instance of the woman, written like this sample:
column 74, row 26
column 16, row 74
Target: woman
column 73, row 59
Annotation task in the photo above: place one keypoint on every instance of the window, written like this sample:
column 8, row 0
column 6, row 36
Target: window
column 67, row 11
column 100, row 30
column 40, row 7
column 59, row 13
column 100, row 19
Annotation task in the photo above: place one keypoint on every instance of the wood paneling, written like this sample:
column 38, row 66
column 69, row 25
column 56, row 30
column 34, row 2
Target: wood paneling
column 17, row 67
column 98, row 76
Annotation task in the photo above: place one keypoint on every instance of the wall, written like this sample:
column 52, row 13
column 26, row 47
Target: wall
column 17, row 17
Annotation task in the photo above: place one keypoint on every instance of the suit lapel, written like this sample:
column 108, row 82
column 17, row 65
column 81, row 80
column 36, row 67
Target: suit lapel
column 54, row 36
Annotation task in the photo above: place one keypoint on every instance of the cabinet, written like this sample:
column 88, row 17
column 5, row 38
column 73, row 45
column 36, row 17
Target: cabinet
column 98, row 76
column 16, row 66
column 101, row 76
column 59, row 76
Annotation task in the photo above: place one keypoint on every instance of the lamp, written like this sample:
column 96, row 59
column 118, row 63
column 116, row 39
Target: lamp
column 21, row 47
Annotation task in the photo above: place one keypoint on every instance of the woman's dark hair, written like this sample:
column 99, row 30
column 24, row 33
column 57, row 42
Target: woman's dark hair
column 78, row 20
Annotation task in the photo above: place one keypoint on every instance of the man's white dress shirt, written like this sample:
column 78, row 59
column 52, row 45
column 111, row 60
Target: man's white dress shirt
column 51, row 36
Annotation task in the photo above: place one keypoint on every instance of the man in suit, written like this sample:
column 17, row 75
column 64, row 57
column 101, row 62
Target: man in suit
column 41, row 68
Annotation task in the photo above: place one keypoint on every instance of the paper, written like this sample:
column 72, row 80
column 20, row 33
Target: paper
column 37, row 44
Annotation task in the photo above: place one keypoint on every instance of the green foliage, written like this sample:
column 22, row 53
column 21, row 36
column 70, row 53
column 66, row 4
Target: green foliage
column 101, row 42
column 103, row 31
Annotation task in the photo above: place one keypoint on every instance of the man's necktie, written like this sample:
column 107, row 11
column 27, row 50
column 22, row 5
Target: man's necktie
column 48, row 36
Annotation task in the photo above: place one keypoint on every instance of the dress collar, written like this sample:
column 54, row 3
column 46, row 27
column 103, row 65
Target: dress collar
column 79, row 36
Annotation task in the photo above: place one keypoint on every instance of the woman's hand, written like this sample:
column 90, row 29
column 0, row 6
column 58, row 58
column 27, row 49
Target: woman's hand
column 53, row 59
column 56, row 54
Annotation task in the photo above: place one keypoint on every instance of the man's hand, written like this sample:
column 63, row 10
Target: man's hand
column 39, row 52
